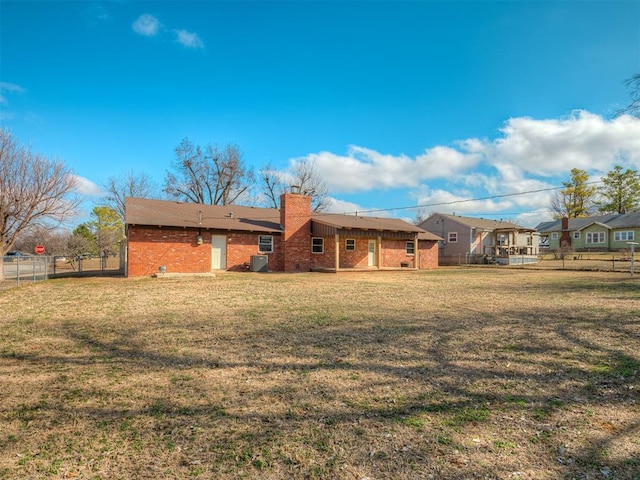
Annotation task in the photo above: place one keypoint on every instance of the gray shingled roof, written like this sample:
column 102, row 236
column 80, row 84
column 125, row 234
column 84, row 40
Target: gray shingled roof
column 618, row 220
column 544, row 226
column 627, row 220
column 483, row 223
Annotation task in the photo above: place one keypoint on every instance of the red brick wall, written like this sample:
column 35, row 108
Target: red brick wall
column 174, row 248
column 394, row 253
column 428, row 254
column 295, row 217
column 326, row 259
column 177, row 250
column 240, row 247
column 357, row 258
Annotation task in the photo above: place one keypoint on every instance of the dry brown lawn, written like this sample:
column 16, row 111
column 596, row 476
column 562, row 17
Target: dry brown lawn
column 451, row 374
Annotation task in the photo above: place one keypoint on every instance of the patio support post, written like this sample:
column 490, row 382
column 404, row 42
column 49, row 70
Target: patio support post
column 337, row 254
column 379, row 252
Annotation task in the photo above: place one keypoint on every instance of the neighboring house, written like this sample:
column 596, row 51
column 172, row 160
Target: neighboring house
column 603, row 233
column 478, row 240
column 196, row 238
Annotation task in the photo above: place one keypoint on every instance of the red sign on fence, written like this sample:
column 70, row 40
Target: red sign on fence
column 39, row 249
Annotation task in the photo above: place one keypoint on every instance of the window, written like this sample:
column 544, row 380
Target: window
column 265, row 243
column 554, row 235
column 411, row 248
column 624, row 236
column 453, row 237
column 595, row 237
column 317, row 245
column 350, row 244
column 576, row 235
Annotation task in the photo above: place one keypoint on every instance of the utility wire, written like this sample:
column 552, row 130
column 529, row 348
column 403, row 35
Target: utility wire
column 257, row 216
column 453, row 202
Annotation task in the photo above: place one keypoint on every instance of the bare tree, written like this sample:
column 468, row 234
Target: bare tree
column 272, row 185
column 33, row 191
column 304, row 175
column 214, row 176
column 633, row 84
column 130, row 184
column 78, row 244
column 54, row 240
column 421, row 216
column 307, row 177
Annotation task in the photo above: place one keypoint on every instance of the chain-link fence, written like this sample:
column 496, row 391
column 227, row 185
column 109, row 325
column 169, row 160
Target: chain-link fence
column 621, row 261
column 600, row 262
column 20, row 269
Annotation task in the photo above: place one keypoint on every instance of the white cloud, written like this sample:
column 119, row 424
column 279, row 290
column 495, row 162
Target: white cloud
column 99, row 12
column 505, row 208
column 147, row 25
column 553, row 147
column 6, row 87
column 364, row 169
column 11, row 87
column 460, row 203
column 531, row 157
column 87, row 187
column 335, row 205
column 188, row 39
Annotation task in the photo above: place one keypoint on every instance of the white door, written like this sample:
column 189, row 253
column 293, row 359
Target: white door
column 371, row 259
column 218, row 252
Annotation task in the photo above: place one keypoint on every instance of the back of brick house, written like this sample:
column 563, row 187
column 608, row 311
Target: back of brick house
column 176, row 237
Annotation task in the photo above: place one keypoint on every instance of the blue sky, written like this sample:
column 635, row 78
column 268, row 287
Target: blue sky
column 399, row 104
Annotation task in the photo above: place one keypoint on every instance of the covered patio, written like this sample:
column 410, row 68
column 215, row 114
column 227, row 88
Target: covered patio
column 352, row 243
column 514, row 246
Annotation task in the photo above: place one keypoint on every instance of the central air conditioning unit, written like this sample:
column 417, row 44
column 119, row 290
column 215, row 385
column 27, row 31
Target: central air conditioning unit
column 259, row 263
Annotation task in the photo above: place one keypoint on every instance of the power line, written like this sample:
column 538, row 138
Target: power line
column 453, row 202
column 505, row 214
column 409, row 207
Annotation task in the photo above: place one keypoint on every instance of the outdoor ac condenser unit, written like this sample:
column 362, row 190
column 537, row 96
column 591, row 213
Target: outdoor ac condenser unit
column 259, row 263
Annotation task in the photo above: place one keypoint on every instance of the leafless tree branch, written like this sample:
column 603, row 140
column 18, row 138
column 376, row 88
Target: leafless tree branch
column 33, row 190
column 130, row 184
column 216, row 177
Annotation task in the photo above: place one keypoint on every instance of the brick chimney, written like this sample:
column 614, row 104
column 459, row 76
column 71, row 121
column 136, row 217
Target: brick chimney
column 565, row 237
column 295, row 218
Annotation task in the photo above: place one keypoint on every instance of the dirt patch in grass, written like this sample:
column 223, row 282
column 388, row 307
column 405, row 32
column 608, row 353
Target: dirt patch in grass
column 479, row 373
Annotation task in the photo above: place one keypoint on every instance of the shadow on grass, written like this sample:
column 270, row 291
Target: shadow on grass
column 305, row 395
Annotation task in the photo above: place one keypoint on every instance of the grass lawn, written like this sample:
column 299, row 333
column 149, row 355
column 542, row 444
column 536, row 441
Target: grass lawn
column 450, row 374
